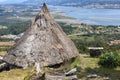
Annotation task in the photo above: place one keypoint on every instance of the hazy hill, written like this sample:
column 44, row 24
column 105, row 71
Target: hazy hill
column 82, row 3
column 63, row 2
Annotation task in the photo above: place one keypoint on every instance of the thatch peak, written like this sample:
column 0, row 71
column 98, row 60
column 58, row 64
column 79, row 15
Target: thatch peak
column 44, row 8
column 44, row 16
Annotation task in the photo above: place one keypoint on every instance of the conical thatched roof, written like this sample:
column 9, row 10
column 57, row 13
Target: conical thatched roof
column 44, row 42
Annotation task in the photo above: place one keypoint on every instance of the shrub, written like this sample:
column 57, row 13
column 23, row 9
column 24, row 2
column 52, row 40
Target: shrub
column 108, row 60
column 76, row 62
column 118, row 59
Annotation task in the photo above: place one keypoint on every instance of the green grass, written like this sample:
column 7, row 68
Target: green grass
column 87, row 61
column 16, row 74
column 89, row 65
column 4, row 46
column 2, row 53
column 85, row 65
column 76, row 62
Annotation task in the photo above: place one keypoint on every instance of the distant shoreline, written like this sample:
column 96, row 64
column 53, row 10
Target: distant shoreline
column 104, row 18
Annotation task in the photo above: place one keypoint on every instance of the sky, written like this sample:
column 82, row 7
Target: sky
column 12, row 1
column 2, row 0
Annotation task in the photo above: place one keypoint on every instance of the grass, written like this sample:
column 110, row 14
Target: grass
column 85, row 65
column 6, row 44
column 76, row 62
column 89, row 66
column 16, row 74
column 87, row 61
column 2, row 53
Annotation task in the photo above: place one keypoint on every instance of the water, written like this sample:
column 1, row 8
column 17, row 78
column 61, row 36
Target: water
column 94, row 16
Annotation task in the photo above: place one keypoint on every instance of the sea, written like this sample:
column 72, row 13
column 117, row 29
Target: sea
column 93, row 16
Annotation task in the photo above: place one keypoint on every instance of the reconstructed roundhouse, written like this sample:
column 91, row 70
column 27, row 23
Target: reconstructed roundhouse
column 44, row 42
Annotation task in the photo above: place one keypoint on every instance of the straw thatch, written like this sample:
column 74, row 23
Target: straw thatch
column 44, row 42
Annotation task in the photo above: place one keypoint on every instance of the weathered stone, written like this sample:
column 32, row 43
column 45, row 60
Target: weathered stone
column 71, row 72
column 62, row 77
column 107, row 78
column 1, row 57
column 92, row 76
column 3, row 66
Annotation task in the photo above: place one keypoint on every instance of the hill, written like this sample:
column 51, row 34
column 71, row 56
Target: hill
column 76, row 3
column 81, row 3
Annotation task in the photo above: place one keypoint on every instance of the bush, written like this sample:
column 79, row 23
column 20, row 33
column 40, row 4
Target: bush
column 118, row 59
column 76, row 62
column 108, row 60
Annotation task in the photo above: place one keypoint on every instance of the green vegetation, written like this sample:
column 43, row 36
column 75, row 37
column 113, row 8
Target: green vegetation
column 14, row 28
column 16, row 74
column 76, row 62
column 5, row 39
column 86, row 36
column 4, row 47
column 90, row 65
column 109, row 60
column 3, row 53
column 67, row 28
column 30, row 75
column 83, row 35
column 86, row 65
column 118, row 59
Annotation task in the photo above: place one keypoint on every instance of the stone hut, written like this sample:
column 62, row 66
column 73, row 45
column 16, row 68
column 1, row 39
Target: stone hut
column 95, row 51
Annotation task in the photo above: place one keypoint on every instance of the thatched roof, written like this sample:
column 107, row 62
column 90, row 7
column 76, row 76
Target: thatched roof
column 44, row 42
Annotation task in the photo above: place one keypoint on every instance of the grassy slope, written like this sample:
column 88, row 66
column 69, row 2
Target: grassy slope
column 5, row 45
column 89, row 65
column 2, row 53
column 15, row 74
